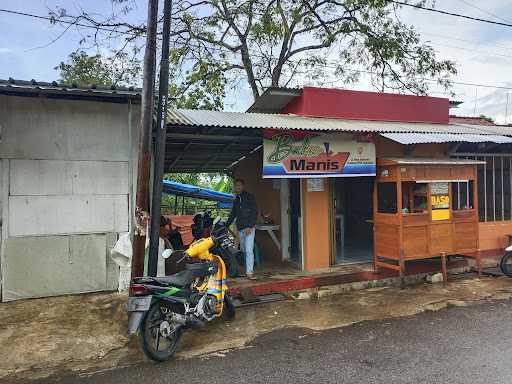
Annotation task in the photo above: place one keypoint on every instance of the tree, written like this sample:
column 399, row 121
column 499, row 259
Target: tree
column 85, row 70
column 487, row 118
column 283, row 42
column 216, row 181
column 201, row 87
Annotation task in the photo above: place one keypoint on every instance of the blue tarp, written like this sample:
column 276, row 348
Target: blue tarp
column 224, row 200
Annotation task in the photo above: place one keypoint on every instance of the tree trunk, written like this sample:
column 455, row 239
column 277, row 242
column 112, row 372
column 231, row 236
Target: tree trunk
column 246, row 61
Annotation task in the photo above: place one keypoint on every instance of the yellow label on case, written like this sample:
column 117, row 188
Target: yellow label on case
column 441, row 214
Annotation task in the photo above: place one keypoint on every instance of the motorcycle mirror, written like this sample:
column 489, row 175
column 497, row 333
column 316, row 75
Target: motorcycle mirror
column 167, row 253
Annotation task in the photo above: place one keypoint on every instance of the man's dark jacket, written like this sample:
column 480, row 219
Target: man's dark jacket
column 245, row 211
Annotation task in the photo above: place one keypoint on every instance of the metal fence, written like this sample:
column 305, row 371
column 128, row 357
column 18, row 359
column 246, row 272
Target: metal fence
column 494, row 185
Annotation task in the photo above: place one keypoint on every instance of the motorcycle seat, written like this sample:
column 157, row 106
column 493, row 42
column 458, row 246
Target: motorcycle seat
column 180, row 279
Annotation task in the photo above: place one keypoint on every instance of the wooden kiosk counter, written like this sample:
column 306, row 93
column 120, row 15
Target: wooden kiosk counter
column 424, row 208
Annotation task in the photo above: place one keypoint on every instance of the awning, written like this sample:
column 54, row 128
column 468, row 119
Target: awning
column 187, row 190
column 211, row 141
column 427, row 161
column 423, row 138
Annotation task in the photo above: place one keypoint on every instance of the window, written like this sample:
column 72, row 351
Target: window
column 386, row 197
column 414, row 197
column 494, row 186
column 462, row 195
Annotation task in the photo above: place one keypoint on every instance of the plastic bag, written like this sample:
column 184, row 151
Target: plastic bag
column 122, row 251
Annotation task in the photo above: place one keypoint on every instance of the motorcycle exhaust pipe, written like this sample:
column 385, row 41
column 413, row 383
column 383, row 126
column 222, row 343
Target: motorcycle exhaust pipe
column 189, row 321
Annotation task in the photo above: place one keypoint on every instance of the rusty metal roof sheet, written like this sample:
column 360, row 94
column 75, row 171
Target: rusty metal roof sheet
column 185, row 117
column 422, row 138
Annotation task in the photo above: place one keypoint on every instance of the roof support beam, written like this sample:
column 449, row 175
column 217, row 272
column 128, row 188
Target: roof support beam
column 201, row 137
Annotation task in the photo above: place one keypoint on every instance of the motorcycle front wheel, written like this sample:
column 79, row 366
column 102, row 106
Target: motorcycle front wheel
column 506, row 264
column 159, row 341
column 229, row 310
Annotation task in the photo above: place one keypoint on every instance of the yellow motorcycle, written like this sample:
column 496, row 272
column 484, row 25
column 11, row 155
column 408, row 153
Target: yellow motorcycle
column 161, row 308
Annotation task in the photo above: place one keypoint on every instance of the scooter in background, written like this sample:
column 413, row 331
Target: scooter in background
column 506, row 262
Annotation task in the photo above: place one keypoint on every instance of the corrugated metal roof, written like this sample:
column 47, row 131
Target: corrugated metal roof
column 422, row 138
column 431, row 161
column 187, row 117
column 22, row 87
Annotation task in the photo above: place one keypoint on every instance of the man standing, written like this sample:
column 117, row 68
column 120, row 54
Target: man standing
column 245, row 211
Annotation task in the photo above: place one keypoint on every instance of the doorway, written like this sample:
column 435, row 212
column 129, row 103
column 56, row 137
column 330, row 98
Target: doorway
column 352, row 215
column 295, row 214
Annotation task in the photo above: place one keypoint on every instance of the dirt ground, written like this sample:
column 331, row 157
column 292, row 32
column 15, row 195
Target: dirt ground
column 86, row 333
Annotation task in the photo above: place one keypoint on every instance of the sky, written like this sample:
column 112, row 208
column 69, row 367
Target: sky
column 30, row 48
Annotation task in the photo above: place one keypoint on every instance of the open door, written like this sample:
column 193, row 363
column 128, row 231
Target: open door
column 352, row 210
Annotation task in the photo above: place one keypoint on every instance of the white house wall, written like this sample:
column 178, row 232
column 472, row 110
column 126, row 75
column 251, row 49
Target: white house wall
column 67, row 214
column 70, row 182
column 51, row 265
column 63, row 129
column 60, row 177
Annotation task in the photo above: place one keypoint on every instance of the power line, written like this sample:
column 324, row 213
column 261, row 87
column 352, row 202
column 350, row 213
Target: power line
column 484, row 11
column 450, row 13
column 471, row 50
column 53, row 20
column 219, row 49
column 472, row 42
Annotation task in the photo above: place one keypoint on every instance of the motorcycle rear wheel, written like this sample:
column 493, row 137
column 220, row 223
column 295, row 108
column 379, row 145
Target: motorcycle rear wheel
column 506, row 264
column 154, row 345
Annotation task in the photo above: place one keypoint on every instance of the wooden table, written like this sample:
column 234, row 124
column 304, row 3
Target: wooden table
column 270, row 229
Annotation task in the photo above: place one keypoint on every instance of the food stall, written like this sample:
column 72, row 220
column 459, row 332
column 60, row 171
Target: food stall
column 424, row 208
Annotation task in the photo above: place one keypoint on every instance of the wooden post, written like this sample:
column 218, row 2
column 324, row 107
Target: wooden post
column 144, row 155
column 443, row 267
column 160, row 136
column 376, row 268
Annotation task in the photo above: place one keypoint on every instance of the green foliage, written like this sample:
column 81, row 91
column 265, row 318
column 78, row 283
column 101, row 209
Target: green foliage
column 216, row 181
column 289, row 42
column 221, row 45
column 85, row 70
column 487, row 118
column 202, row 86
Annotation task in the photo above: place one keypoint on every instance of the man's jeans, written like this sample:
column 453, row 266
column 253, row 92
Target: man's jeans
column 247, row 247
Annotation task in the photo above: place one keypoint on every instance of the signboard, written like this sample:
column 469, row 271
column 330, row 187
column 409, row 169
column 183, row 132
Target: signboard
column 440, row 201
column 292, row 154
column 315, row 185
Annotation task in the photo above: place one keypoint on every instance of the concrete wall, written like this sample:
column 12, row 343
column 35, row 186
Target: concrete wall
column 67, row 192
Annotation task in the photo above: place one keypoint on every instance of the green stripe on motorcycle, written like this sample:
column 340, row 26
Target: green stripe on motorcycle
column 171, row 291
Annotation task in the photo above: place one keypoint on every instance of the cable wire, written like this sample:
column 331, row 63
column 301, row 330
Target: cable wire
column 450, row 13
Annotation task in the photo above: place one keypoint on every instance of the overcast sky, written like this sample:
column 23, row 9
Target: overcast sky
column 483, row 52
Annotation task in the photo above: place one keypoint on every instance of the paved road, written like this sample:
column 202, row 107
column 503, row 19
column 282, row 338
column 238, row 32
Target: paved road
column 458, row 345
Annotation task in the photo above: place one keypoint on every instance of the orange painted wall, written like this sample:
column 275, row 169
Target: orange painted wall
column 316, row 226
column 267, row 198
column 493, row 235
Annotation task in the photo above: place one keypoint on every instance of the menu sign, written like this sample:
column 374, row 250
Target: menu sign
column 440, row 198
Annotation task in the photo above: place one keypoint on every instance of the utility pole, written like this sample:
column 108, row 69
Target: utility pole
column 161, row 133
column 144, row 157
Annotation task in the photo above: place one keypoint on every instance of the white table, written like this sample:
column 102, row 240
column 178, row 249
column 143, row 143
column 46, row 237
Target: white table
column 270, row 229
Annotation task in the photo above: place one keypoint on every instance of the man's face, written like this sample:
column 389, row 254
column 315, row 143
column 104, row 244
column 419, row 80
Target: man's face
column 164, row 231
column 239, row 187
